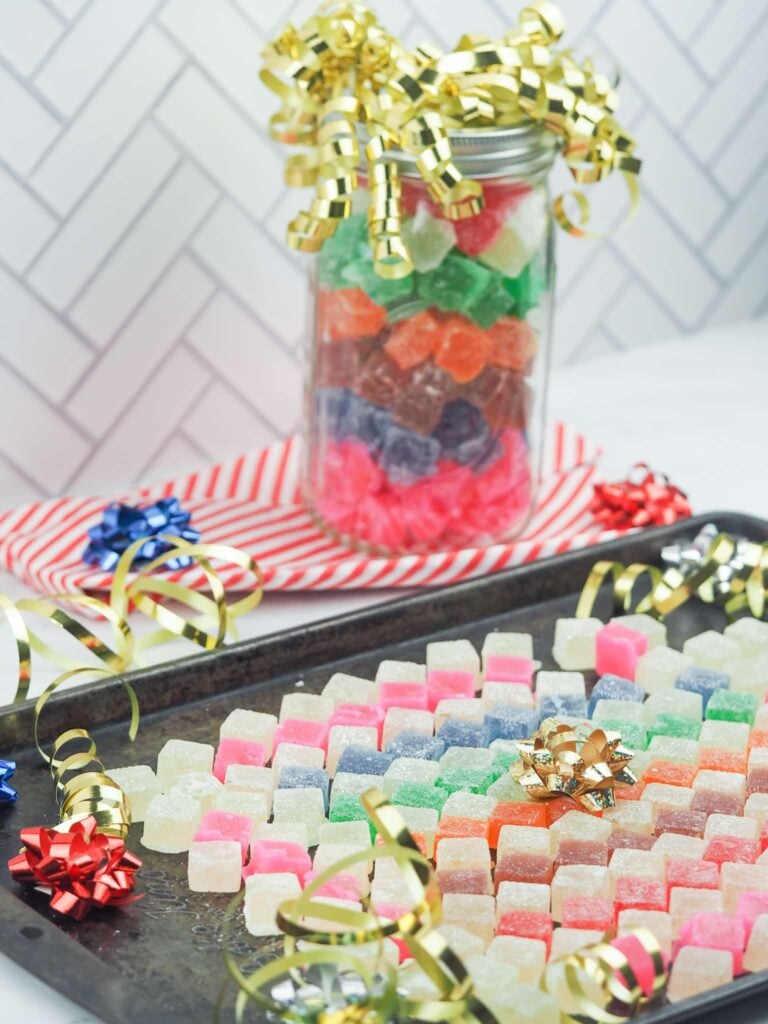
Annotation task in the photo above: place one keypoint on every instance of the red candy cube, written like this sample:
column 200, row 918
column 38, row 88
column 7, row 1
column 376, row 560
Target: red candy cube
column 512, row 813
column 527, row 924
column 524, row 867
column 640, row 894
column 691, row 874
column 588, row 912
column 732, row 850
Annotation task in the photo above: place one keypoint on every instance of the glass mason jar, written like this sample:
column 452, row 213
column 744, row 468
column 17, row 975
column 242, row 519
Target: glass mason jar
column 425, row 396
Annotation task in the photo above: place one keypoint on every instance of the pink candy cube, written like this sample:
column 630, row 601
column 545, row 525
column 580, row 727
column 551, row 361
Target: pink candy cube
column 369, row 716
column 224, row 825
column 505, row 669
column 232, row 751
column 403, row 695
column 711, row 930
column 271, row 857
column 445, row 685
column 618, row 650
column 302, row 732
column 640, row 961
column 391, row 912
column 341, row 887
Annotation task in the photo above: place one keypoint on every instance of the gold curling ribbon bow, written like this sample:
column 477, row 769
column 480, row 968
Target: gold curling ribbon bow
column 672, row 588
column 82, row 787
column 342, row 69
column 330, row 935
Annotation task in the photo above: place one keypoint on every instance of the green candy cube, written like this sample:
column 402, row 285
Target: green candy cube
column 633, row 735
column 349, row 807
column 503, row 761
column 494, row 303
column 730, row 706
column 418, row 794
column 676, row 726
column 525, row 289
column 465, row 780
column 457, row 284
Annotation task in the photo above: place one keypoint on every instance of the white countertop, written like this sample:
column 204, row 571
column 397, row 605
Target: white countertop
column 692, row 407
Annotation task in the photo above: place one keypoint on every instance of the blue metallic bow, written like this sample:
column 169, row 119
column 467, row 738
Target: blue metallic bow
column 122, row 525
column 7, row 793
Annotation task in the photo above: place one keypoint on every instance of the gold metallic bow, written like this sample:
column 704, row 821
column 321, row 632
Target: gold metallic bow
column 343, row 69
column 559, row 760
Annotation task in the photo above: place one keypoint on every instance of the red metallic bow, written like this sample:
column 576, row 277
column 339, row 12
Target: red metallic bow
column 79, row 869
column 646, row 498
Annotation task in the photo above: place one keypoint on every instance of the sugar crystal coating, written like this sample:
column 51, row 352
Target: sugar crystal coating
column 214, row 866
column 200, row 786
column 711, row 650
column 171, row 821
column 178, row 757
column 139, row 784
column 574, row 647
column 263, row 896
column 657, row 669
column 255, row 726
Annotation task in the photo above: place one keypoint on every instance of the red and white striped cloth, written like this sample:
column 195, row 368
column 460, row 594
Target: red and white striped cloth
column 251, row 503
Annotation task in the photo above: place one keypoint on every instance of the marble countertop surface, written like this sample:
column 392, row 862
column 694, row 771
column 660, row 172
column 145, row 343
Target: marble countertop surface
column 692, row 407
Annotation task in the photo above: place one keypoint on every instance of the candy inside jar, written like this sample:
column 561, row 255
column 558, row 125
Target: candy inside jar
column 425, row 394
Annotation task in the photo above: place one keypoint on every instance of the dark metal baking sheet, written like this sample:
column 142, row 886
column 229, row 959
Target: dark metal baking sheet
column 159, row 961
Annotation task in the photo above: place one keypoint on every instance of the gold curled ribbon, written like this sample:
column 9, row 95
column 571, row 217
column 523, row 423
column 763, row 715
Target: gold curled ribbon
column 83, row 789
column 672, row 588
column 342, row 68
column 560, row 760
column 599, row 982
column 347, row 928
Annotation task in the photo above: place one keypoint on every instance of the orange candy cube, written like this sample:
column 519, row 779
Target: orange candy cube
column 513, row 343
column 462, row 349
column 413, row 340
column 348, row 314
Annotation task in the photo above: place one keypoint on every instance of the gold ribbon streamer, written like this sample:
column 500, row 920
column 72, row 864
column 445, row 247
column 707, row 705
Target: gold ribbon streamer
column 416, row 927
column 600, row 982
column 342, row 68
column 671, row 589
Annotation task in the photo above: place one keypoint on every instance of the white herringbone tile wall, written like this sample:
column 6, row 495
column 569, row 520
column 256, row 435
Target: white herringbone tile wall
column 151, row 318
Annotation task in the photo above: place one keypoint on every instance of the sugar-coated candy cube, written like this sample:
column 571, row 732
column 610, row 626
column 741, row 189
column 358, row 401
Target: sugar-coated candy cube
column 509, row 669
column 681, row 703
column 448, row 686
column 139, row 784
column 736, row 879
column 712, row 650
column 506, row 693
column 401, row 672
column 618, row 710
column 563, row 685
column 727, row 706
column 524, row 1003
column 305, row 805
column 732, row 850
column 750, row 906
column 370, row 716
column 467, row 757
column 272, row 856
column 303, row 732
column 409, row 769
column 620, row 839
column 640, row 894
column 411, row 720
column 178, row 757
column 674, row 726
column 527, row 924
column 731, row 825
column 756, row 955
column 756, row 808
column 698, row 970
column 588, row 912
column 344, row 833
column 214, row 866
column 610, row 687
column 457, row 733
column 635, row 816
column 342, row 688
column 515, row 813
column 570, row 940
column 729, row 783
column 297, row 754
column 467, row 852
column 712, row 930
column 298, row 777
column 421, row 821
column 685, row 901
column 170, row 822
column 353, row 783
column 462, row 941
column 672, row 748
column 464, row 709
column 341, row 737
column 251, row 778
column 702, row 680
column 582, row 851
column 657, row 669
column 524, row 867
column 327, row 855
column 282, row 832
column 218, row 826
column 404, row 695
column 453, row 656
column 232, row 751
column 362, row 760
column 510, row 722
column 255, row 726
column 658, row 923
column 574, row 646
column 415, row 794
column 252, row 804
column 521, row 896
column 579, row 825
column 637, row 864
column 476, row 913
column 524, row 838
column 680, row 822
column 263, row 896
column 671, row 844
column 618, row 649
column 415, row 744
column 670, row 772
column 662, row 795
column 528, row 955
column 655, row 631
column 200, row 786
column 750, row 675
column 585, row 879
column 750, row 634
column 508, row 645
column 507, row 789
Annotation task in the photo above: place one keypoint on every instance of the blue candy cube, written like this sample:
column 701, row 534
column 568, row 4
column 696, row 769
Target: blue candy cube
column 300, row 777
column 704, row 681
column 610, row 687
column 455, row 732
column 416, row 744
column 511, row 722
column 555, row 705
column 407, row 456
column 364, row 761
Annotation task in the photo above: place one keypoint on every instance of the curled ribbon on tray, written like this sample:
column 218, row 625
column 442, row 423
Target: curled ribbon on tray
column 81, row 869
column 559, row 760
column 342, row 69
column 122, row 525
column 645, row 498
column 739, row 591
